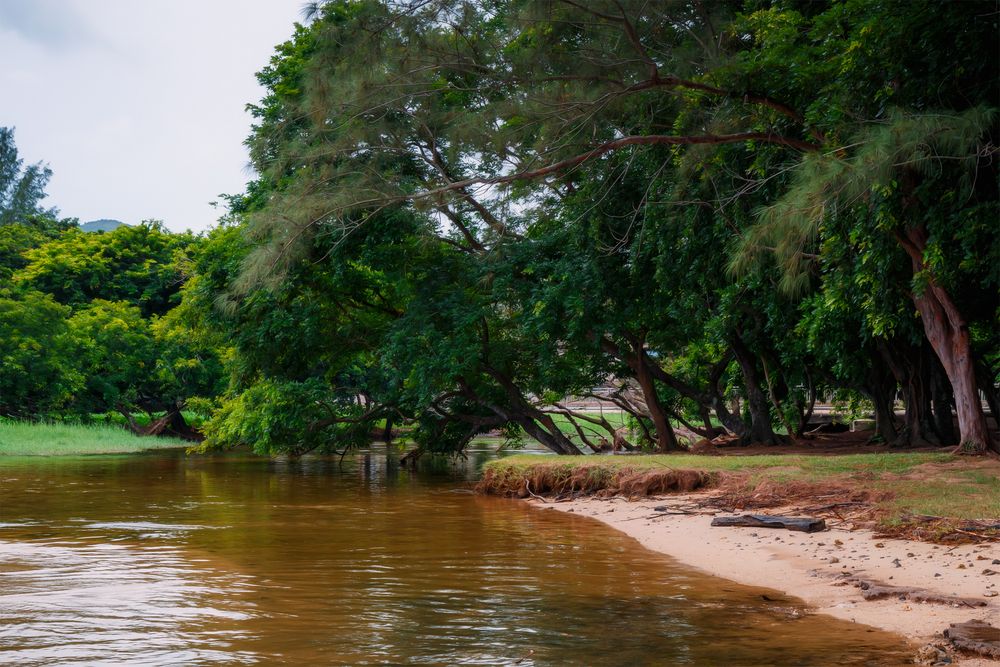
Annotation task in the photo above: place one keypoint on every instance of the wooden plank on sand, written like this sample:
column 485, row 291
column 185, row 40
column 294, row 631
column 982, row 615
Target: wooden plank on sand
column 801, row 523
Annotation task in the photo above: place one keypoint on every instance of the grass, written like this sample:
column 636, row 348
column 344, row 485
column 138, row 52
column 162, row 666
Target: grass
column 958, row 494
column 900, row 485
column 786, row 466
column 60, row 439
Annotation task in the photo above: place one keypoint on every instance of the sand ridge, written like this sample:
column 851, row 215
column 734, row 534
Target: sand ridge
column 818, row 567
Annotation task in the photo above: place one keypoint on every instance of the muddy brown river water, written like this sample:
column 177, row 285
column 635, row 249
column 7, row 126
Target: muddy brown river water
column 167, row 559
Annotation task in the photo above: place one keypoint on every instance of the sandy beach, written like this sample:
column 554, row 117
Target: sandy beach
column 824, row 569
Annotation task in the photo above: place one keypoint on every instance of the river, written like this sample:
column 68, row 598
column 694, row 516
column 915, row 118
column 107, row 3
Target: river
column 168, row 559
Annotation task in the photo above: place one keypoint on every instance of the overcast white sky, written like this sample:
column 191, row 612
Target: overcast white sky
column 137, row 105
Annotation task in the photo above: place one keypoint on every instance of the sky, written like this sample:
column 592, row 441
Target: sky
column 137, row 106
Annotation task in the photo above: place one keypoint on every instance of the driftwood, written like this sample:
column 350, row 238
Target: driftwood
column 874, row 590
column 975, row 637
column 800, row 523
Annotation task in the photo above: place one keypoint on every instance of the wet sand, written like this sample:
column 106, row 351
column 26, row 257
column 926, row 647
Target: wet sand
column 818, row 567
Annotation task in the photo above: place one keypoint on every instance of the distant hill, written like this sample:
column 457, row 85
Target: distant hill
column 102, row 225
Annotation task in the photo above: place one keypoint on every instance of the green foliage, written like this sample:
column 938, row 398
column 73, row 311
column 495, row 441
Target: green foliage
column 142, row 265
column 116, row 354
column 283, row 417
column 38, row 375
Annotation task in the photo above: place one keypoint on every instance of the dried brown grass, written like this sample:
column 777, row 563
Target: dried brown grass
column 740, row 491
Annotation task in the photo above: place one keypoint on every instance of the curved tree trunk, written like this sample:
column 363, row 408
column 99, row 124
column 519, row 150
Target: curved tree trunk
column 666, row 439
column 948, row 334
column 535, row 423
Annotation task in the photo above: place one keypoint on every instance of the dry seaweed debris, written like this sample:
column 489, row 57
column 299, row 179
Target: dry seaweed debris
column 941, row 529
column 737, row 493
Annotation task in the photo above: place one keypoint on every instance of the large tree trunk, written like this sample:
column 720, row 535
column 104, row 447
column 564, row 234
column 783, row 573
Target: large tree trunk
column 941, row 403
column 948, row 334
column 666, row 439
column 760, row 431
column 733, row 423
column 880, row 387
column 909, row 365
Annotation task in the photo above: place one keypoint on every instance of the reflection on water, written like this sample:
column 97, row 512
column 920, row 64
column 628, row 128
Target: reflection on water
column 96, row 603
column 165, row 559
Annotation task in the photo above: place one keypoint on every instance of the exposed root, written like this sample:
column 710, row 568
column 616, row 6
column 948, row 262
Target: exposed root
column 592, row 480
column 660, row 481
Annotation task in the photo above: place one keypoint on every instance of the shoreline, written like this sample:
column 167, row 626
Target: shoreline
column 818, row 568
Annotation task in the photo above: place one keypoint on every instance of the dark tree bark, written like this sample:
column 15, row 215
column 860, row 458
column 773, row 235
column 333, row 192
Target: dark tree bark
column 909, row 366
column 760, row 431
column 880, row 388
column 535, row 423
column 941, row 404
column 666, row 439
column 987, row 379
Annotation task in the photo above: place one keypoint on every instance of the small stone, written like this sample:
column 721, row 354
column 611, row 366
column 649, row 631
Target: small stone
column 879, row 545
column 838, row 543
column 988, row 572
column 895, row 561
column 961, row 566
column 911, row 555
column 996, row 561
column 990, row 594
column 937, row 574
column 834, row 560
column 931, row 654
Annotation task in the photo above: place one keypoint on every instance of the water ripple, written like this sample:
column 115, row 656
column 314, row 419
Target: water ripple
column 123, row 604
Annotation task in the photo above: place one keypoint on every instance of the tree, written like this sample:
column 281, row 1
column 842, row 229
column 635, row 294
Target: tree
column 39, row 377
column 141, row 264
column 22, row 188
column 596, row 161
column 901, row 171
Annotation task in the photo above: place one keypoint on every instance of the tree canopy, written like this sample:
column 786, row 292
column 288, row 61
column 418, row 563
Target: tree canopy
column 706, row 215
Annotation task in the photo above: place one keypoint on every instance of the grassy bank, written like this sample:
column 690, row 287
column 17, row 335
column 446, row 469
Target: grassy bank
column 57, row 439
column 898, row 487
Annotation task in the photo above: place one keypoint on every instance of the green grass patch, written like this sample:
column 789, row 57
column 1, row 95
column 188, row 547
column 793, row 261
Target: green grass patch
column 956, row 494
column 64, row 439
column 960, row 488
column 789, row 466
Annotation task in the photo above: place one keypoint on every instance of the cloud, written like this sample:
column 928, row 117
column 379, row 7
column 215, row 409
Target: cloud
column 52, row 23
column 143, row 116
